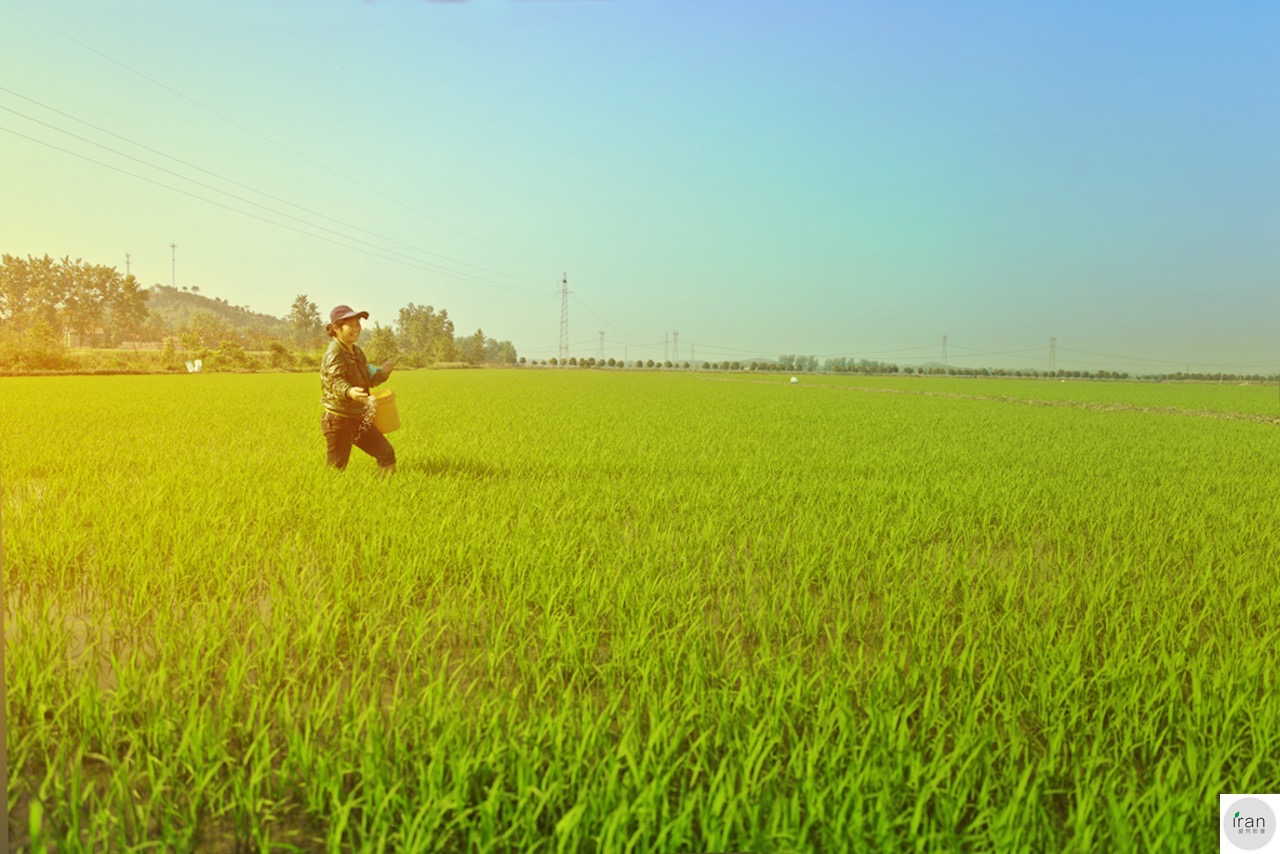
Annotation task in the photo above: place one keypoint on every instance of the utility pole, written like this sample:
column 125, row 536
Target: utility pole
column 564, row 319
column 1053, row 354
column 173, row 249
column 675, row 344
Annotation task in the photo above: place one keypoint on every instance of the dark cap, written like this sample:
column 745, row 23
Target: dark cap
column 345, row 312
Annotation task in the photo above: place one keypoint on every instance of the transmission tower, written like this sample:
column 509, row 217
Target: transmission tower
column 602, row 345
column 944, row 351
column 127, row 270
column 666, row 354
column 675, row 344
column 1053, row 355
column 173, row 281
column 564, row 319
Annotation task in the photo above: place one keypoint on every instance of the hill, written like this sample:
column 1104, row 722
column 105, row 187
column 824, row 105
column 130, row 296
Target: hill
column 174, row 308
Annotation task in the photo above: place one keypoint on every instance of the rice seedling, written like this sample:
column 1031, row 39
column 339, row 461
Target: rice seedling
column 608, row 611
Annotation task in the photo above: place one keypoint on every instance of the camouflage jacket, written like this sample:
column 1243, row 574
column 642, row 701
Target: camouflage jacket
column 340, row 371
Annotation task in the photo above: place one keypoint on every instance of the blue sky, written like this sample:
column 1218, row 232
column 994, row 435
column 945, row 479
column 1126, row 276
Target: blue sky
column 823, row 178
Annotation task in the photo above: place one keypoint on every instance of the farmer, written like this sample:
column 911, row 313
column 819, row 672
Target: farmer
column 345, row 380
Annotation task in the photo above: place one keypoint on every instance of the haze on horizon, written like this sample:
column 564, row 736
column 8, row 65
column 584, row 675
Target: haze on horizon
column 762, row 177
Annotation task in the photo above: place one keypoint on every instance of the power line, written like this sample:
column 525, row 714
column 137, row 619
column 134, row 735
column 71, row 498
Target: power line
column 427, row 264
column 741, row 353
column 984, row 351
column 284, row 147
column 379, row 254
column 577, row 299
column 980, row 354
column 221, row 177
column 412, row 262
column 1125, row 358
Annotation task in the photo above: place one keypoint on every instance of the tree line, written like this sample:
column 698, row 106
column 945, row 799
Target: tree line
column 41, row 300
column 845, row 364
column 49, row 305
column 421, row 336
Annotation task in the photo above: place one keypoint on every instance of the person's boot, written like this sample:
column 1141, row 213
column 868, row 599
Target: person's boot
column 386, row 471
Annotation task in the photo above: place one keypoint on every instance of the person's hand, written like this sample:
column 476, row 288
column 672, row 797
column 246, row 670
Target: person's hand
column 388, row 366
column 357, row 393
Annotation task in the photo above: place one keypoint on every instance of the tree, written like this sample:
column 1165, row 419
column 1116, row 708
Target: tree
column 209, row 328
column 190, row 342
column 15, row 292
column 382, row 345
column 31, row 291
column 258, row 336
column 169, row 354
column 473, row 346
column 413, row 328
column 81, row 311
column 127, row 309
column 304, row 318
column 280, row 356
column 229, row 355
column 443, row 349
column 49, row 288
column 154, row 327
column 70, row 296
column 425, row 334
column 499, row 352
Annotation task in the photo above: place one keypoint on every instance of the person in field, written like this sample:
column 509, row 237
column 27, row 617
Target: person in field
column 345, row 380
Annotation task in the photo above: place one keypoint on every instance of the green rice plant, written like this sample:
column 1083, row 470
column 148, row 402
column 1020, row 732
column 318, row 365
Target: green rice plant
column 637, row 611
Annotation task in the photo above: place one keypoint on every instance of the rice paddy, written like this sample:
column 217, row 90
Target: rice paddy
column 639, row 611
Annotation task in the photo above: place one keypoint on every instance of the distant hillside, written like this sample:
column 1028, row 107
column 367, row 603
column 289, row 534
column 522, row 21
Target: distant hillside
column 174, row 308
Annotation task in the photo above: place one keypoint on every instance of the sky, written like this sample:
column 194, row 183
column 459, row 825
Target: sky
column 861, row 179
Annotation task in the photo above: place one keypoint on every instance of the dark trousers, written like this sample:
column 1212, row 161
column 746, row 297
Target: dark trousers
column 341, row 433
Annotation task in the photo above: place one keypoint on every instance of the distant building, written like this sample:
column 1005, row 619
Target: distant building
column 96, row 338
